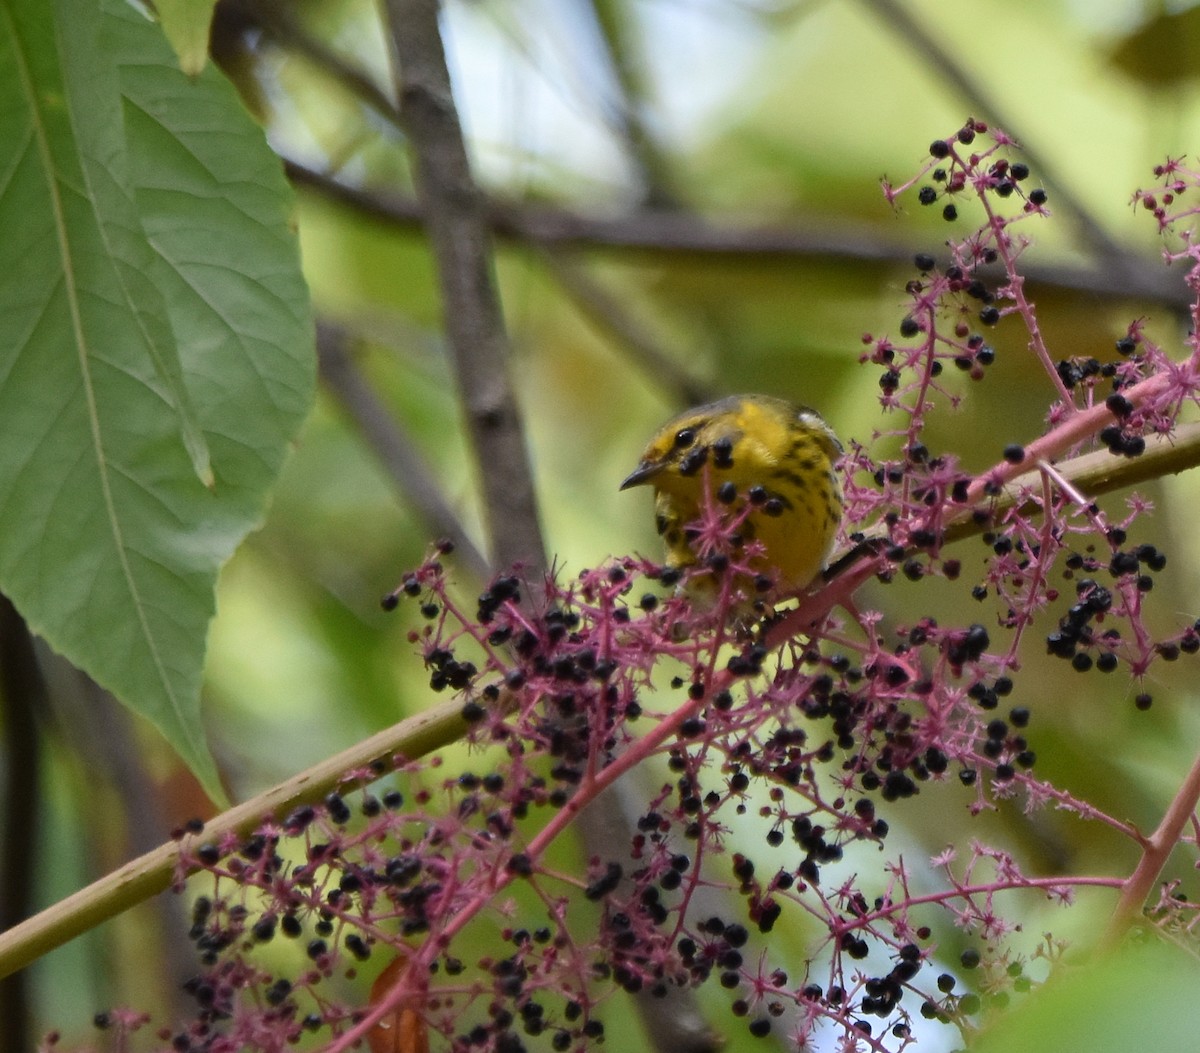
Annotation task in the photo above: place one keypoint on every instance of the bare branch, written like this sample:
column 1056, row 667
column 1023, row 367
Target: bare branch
column 681, row 232
column 603, row 308
column 278, row 21
column 459, row 236
column 395, row 449
column 627, row 114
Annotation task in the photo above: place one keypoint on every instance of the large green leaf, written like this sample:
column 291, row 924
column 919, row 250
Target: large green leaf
column 1140, row 998
column 155, row 346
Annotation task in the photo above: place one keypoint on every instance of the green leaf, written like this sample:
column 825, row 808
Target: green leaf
column 186, row 24
column 1140, row 998
column 156, row 352
column 1161, row 52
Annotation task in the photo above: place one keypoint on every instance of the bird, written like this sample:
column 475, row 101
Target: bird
column 764, row 459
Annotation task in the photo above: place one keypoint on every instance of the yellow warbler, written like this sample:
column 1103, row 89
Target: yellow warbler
column 753, row 452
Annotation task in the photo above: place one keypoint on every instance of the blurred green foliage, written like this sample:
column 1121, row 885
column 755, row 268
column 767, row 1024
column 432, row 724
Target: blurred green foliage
column 1137, row 998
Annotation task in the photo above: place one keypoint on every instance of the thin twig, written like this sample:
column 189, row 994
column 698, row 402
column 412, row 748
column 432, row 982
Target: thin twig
column 673, row 233
column 642, row 148
column 278, row 21
column 395, row 449
column 641, row 346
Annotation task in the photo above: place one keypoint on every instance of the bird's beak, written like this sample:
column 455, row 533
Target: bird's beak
column 643, row 473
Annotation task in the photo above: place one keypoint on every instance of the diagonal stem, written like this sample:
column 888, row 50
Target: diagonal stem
column 153, row 872
column 1156, row 849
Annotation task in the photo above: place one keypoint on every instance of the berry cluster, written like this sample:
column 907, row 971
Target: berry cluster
column 778, row 761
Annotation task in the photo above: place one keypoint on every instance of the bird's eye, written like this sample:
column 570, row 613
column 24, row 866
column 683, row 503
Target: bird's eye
column 684, row 438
